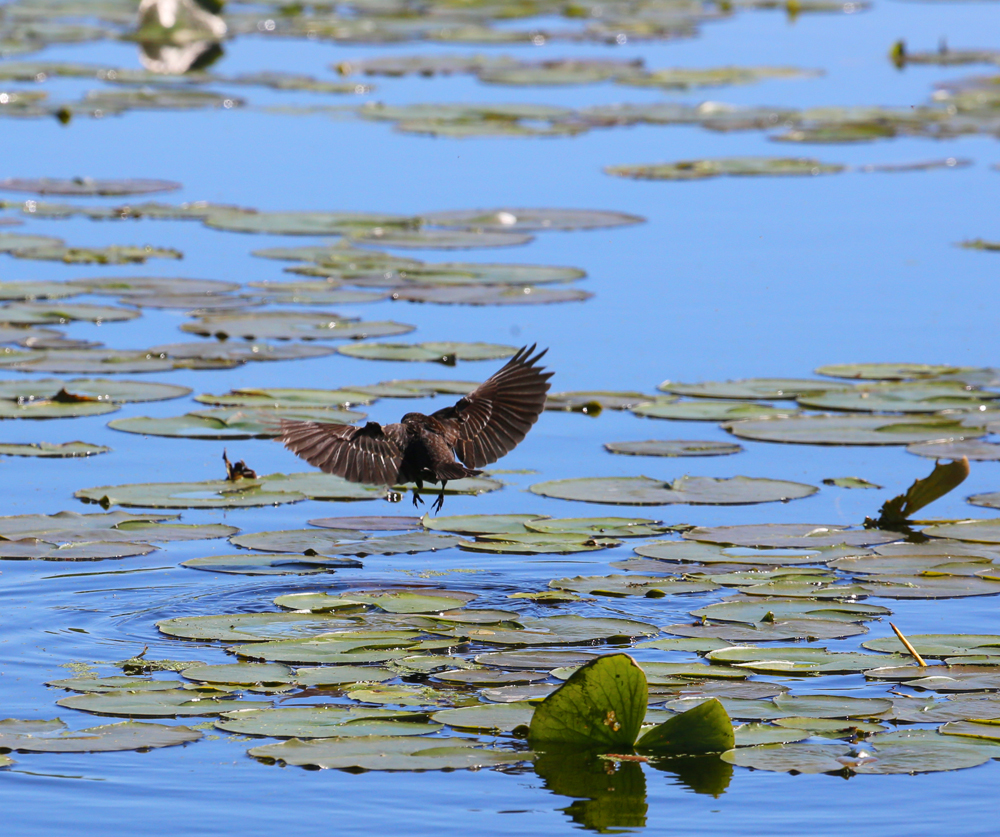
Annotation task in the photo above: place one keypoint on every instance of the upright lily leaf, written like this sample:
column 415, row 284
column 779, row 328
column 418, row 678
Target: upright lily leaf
column 924, row 491
column 704, row 729
column 601, row 706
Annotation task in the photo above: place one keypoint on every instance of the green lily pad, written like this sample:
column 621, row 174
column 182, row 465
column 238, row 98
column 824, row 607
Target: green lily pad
column 975, row 531
column 64, row 406
column 188, row 495
column 88, row 361
column 48, row 450
column 239, row 674
column 432, row 239
column 673, row 447
column 487, row 718
column 53, row 737
column 87, row 186
column 480, row 524
column 446, row 353
column 609, row 527
column 34, row 549
column 562, row 630
column 387, row 753
column 329, row 542
column 938, row 645
column 643, row 491
column 684, row 552
column 29, row 291
column 618, row 586
column 535, row 659
column 601, row 705
column 172, row 703
column 975, row 450
column 290, row 325
column 982, row 730
column 287, row 397
column 535, row 220
column 789, row 535
column 686, row 79
column 751, row 389
column 342, row 675
column 111, row 255
column 888, row 371
column 538, row 543
column 733, row 166
column 236, row 627
column 704, row 728
column 323, row 722
column 104, row 390
column 151, row 286
column 230, row 422
column 344, row 647
column 958, row 707
column 372, row 523
column 752, row 611
column 794, row 660
column 781, row 631
column 390, row 600
column 302, row 223
column 113, row 684
column 850, row 429
column 850, row 482
column 755, row 734
column 491, row 295
column 900, row 397
column 31, row 313
column 668, row 407
column 280, row 564
column 224, row 355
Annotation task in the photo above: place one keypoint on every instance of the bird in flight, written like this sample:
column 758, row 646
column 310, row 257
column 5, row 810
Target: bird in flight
column 486, row 424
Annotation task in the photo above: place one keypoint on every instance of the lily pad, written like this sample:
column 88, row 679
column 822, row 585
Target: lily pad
column 562, row 630
column 53, row 737
column 974, row 450
column 111, row 255
column 888, row 371
column 487, row 718
column 323, row 722
column 86, row 186
column 780, row 631
column 976, row 531
column 535, row 543
column 259, row 564
column 302, row 223
column 751, row 389
column 30, row 313
column 900, row 397
column 237, row 627
column 34, row 549
column 668, row 407
column 390, row 600
column 794, row 660
column 480, row 524
column 230, row 422
column 446, row 353
column 499, row 220
column 601, row 705
column 673, row 447
column 789, row 535
column 239, row 674
column 47, row 450
column 643, row 491
column 850, row 429
column 733, row 166
column 387, row 753
column 608, row 527
column 491, row 295
column 173, row 703
column 188, row 495
column 618, row 586
column 704, row 728
column 431, row 239
column 289, row 325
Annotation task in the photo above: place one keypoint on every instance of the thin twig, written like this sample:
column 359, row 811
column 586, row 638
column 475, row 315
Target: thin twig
column 910, row 648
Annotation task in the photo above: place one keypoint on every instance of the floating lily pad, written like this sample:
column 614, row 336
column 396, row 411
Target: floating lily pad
column 446, row 353
column 302, row 223
column 795, row 660
column 96, row 389
column 668, row 407
column 751, row 389
column 29, row 313
column 686, row 79
column 431, row 239
column 499, row 220
column 387, row 753
column 608, row 527
column 86, row 186
column 230, row 423
column 888, row 371
column 789, row 535
column 258, row 564
column 289, row 325
column 323, row 722
column 752, row 735
column 188, row 495
column 173, row 703
column 342, row 675
column 27, row 291
column 390, row 600
column 88, row 361
column 151, row 286
column 373, row 523
column 64, row 405
column 34, row 549
column 562, row 630
column 618, row 586
column 975, row 450
column 113, row 684
column 47, row 450
column 900, row 397
column 223, row 355
column 464, row 275
column 673, row 447
column 487, row 718
column 489, row 677
column 733, row 166
column 53, row 737
column 643, row 491
column 534, row 543
column 938, row 645
column 534, row 659
column 239, row 674
column 780, row 631
column 976, row 531
column 491, row 295
column 851, row 430
column 342, row 647
column 689, row 552
column 112, row 255
column 754, row 611
column 236, row 627
column 850, row 482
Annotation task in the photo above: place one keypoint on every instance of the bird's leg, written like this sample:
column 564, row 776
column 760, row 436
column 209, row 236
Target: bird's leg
column 439, row 502
column 417, row 499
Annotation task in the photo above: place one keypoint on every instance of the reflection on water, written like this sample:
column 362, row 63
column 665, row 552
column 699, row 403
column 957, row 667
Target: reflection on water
column 610, row 796
column 177, row 36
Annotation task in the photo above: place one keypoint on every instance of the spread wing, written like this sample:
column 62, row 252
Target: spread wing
column 498, row 414
column 370, row 454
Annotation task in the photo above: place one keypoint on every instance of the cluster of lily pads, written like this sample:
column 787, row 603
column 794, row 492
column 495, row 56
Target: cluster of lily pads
column 415, row 677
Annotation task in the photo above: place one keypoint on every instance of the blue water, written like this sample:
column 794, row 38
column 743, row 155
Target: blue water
column 728, row 278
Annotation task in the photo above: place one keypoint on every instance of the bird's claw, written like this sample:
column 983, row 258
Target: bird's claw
column 438, row 503
column 417, row 499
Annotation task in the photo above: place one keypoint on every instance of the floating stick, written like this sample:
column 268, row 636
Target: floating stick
column 910, row 648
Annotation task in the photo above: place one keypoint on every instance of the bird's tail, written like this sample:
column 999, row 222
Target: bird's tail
column 455, row 471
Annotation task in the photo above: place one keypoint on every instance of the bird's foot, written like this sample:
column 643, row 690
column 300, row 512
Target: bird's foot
column 417, row 499
column 439, row 502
